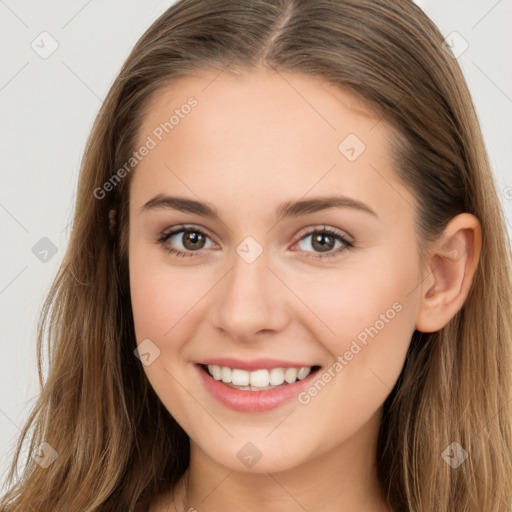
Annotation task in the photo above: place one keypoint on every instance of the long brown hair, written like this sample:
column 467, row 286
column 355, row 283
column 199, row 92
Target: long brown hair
column 117, row 445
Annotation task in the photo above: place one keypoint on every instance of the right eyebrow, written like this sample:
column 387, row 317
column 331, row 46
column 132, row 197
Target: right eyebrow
column 182, row 204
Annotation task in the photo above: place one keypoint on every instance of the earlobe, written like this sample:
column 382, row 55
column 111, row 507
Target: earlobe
column 450, row 272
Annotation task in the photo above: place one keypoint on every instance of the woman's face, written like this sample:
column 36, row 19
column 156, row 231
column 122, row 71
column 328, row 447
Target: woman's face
column 265, row 281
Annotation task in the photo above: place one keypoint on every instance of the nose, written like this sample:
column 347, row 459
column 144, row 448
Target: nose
column 250, row 301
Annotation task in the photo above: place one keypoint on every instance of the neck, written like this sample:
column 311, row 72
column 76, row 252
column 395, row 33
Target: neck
column 346, row 475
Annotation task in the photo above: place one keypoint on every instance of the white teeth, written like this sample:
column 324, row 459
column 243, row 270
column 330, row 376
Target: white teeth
column 290, row 375
column 215, row 371
column 225, row 374
column 276, row 376
column 303, row 373
column 240, row 377
column 261, row 379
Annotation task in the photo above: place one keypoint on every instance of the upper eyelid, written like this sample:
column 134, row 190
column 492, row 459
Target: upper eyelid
column 178, row 229
column 324, row 227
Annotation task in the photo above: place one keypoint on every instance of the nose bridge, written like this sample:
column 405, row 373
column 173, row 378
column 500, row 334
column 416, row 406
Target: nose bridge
column 249, row 298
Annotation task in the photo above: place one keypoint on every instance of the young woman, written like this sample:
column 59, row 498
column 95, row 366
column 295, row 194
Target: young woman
column 288, row 280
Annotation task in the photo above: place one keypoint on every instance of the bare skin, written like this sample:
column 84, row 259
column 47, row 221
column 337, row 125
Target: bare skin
column 253, row 142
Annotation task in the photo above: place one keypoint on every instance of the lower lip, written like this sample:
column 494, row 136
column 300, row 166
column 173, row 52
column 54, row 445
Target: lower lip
column 253, row 401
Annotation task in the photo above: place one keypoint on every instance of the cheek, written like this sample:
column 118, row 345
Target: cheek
column 167, row 299
column 160, row 299
column 366, row 314
column 372, row 320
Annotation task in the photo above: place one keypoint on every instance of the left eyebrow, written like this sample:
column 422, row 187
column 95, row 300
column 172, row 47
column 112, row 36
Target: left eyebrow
column 287, row 209
column 315, row 204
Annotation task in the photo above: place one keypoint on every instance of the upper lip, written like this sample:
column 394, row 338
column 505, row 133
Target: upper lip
column 253, row 364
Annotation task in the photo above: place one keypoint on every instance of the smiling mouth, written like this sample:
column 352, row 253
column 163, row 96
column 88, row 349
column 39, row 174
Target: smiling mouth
column 258, row 380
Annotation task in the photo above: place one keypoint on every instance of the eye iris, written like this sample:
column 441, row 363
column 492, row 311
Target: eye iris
column 193, row 237
column 323, row 246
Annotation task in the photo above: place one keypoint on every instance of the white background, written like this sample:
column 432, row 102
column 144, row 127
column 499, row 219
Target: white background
column 47, row 110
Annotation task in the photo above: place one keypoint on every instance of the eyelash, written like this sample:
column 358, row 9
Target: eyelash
column 323, row 230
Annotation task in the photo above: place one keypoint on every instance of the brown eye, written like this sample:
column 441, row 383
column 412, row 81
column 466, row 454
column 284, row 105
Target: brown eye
column 184, row 241
column 193, row 240
column 325, row 240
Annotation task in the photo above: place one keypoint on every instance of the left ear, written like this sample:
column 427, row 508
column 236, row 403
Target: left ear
column 450, row 270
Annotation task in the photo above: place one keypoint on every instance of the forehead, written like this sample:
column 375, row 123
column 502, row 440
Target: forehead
column 260, row 94
column 262, row 132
